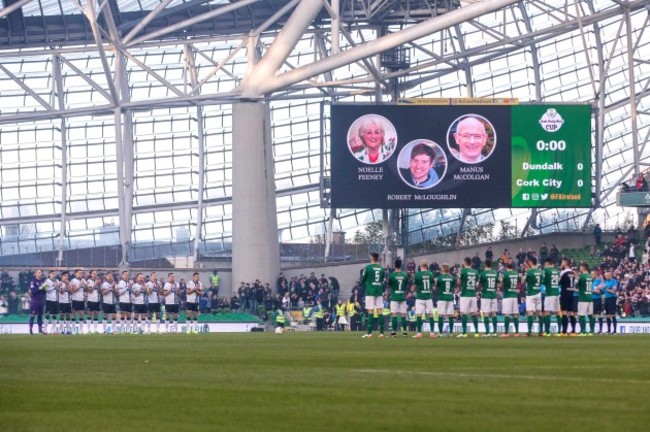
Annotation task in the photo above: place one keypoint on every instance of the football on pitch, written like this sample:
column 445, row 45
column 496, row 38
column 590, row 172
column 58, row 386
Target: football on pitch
column 279, row 330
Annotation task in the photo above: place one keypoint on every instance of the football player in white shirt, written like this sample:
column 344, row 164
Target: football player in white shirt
column 77, row 285
column 124, row 298
column 194, row 292
column 51, row 301
column 109, row 293
column 92, row 300
column 153, row 289
column 137, row 298
column 170, row 294
column 65, row 309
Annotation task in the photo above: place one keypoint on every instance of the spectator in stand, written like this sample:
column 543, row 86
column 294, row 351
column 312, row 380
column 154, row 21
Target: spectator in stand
column 530, row 254
column 631, row 235
column 505, row 257
column 13, row 303
column 281, row 284
column 554, row 254
column 543, row 253
column 641, row 183
column 476, row 262
column 234, row 303
column 521, row 257
column 489, row 255
column 410, row 267
column 336, row 287
column 434, row 268
column 598, row 232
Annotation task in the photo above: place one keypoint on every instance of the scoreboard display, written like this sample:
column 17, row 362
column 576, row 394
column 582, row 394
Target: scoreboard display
column 437, row 156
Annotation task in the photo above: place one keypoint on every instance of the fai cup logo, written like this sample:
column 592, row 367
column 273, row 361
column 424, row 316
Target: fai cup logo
column 551, row 121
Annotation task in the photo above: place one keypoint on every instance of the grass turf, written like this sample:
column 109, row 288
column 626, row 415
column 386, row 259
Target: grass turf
column 330, row 381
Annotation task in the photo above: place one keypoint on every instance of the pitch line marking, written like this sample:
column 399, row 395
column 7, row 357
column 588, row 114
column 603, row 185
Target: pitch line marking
column 500, row 376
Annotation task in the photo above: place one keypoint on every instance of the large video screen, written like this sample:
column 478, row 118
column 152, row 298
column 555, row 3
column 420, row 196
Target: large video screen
column 488, row 156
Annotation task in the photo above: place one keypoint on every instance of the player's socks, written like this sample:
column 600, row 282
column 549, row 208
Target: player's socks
column 494, row 324
column 547, row 324
column 592, row 323
column 531, row 319
column 475, row 321
column 441, row 324
column 486, row 323
column 369, row 324
column 104, row 322
column 393, row 324
column 432, row 326
column 516, row 321
column 506, row 324
column 600, row 324
column 609, row 325
column 463, row 320
column 451, row 325
column 140, row 328
column 95, row 325
column 176, row 325
column 148, row 321
column 382, row 323
column 31, row 323
column 572, row 319
column 541, row 321
column 583, row 324
column 419, row 324
column 614, row 319
column 565, row 324
column 559, row 320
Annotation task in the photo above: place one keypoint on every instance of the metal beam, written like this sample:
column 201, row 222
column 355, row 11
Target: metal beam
column 92, row 18
column 301, row 18
column 382, row 44
column 191, row 21
column 9, row 9
column 145, row 21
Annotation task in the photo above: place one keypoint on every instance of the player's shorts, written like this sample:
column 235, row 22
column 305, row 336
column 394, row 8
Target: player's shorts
column 65, row 308
column 192, row 307
column 51, row 307
column 510, row 306
column 92, row 306
column 140, row 308
column 610, row 305
column 126, row 307
column 423, row 307
column 109, row 308
column 36, row 309
column 78, row 305
column 585, row 308
column 598, row 306
column 488, row 305
column 575, row 304
column 374, row 302
column 552, row 304
column 566, row 303
column 398, row 307
column 154, row 308
column 171, row 308
column 468, row 305
column 534, row 303
column 445, row 308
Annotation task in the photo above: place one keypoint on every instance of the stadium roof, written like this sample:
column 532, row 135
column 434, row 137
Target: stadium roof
column 65, row 66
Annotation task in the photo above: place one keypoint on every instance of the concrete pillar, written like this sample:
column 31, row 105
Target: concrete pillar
column 255, row 246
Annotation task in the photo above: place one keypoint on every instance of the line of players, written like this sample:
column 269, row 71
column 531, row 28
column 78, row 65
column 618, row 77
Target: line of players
column 567, row 295
column 128, row 305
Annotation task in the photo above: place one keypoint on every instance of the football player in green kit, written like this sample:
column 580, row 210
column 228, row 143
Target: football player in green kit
column 398, row 281
column 424, row 280
column 445, row 285
column 468, row 303
column 552, row 300
column 488, row 284
column 510, row 305
column 373, row 278
column 533, row 280
column 585, row 303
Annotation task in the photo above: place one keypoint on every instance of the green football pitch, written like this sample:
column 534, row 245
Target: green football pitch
column 329, row 382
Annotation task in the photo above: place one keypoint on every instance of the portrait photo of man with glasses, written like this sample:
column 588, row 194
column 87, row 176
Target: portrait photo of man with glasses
column 471, row 139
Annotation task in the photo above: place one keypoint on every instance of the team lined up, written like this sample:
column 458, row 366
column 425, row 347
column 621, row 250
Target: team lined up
column 568, row 294
column 131, row 304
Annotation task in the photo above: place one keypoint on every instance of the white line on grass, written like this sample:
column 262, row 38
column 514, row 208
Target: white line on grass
column 500, row 376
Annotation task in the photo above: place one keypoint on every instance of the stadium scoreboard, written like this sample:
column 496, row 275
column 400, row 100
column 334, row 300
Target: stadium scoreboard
column 481, row 155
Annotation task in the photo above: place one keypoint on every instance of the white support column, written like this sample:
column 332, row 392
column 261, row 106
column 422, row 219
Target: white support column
column 633, row 105
column 194, row 81
column 255, row 248
column 60, row 100
column 336, row 27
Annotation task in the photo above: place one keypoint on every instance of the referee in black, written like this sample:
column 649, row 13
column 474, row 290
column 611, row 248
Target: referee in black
column 567, row 289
